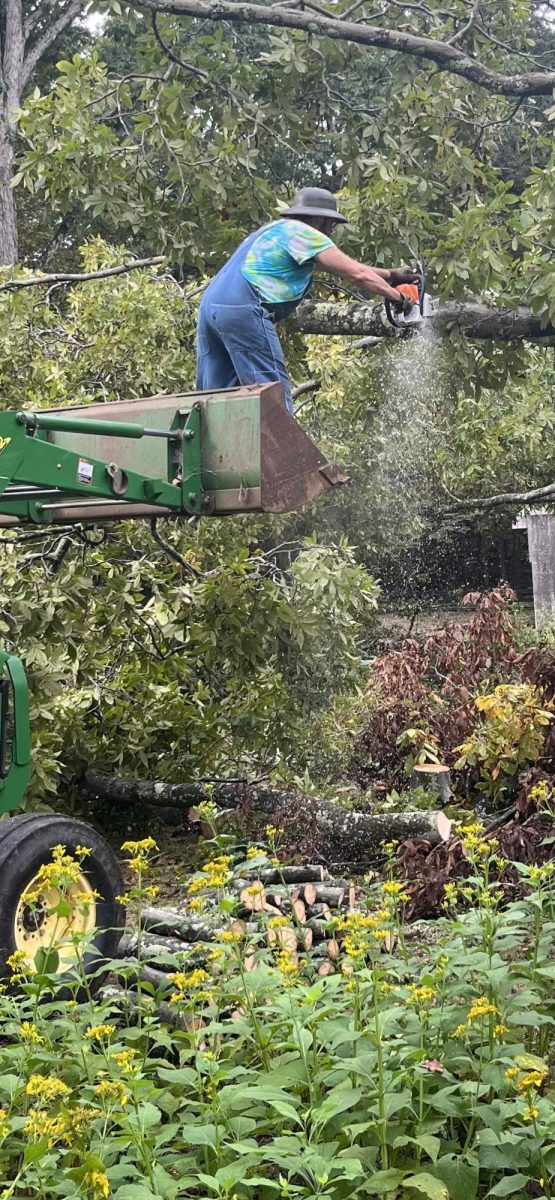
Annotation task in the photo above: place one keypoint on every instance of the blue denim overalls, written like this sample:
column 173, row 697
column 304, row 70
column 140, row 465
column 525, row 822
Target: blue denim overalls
column 236, row 338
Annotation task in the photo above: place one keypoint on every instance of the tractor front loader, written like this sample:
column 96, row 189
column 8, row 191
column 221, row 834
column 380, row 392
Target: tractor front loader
column 199, row 454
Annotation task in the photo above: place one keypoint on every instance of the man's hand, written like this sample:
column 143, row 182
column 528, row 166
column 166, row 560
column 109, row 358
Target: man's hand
column 398, row 275
column 403, row 305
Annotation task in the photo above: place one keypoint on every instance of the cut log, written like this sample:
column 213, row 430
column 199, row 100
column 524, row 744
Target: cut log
column 309, row 893
column 317, row 929
column 435, row 778
column 333, row 948
column 285, row 936
column 253, row 898
column 333, row 896
column 300, row 911
column 174, row 924
column 307, row 938
column 149, row 946
column 308, row 874
column 326, row 968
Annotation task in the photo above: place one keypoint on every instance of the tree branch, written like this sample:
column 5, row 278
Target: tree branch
column 106, row 273
column 477, row 321
column 504, row 498
column 47, row 39
column 446, row 57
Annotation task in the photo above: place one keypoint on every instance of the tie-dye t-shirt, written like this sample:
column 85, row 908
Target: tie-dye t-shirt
column 280, row 263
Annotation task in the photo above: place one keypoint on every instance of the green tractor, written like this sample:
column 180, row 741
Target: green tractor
column 193, row 455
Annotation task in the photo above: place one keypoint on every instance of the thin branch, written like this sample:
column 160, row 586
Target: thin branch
column 446, row 57
column 85, row 277
column 47, row 39
column 457, row 37
column 171, row 551
column 200, row 74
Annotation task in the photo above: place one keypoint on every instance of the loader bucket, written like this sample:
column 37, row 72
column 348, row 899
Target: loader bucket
column 254, row 456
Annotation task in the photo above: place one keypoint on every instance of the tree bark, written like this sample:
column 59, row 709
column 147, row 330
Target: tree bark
column 435, row 778
column 477, row 321
column 8, row 213
column 22, row 49
column 339, row 836
column 447, row 57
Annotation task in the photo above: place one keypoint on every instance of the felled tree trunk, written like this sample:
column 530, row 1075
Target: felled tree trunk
column 477, row 321
column 337, row 834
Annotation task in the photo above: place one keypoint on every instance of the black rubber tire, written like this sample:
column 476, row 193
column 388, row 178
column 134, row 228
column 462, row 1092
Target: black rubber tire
column 26, row 843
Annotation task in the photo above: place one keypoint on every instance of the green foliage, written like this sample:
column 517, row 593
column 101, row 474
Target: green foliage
column 511, row 732
column 128, row 659
column 406, row 1073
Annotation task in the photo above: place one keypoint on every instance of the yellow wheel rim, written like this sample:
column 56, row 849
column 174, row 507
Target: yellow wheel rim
column 38, row 925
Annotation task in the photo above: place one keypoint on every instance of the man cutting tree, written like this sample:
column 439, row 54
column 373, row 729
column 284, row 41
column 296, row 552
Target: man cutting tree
column 264, row 281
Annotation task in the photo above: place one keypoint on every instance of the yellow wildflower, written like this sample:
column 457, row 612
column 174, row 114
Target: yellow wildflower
column 17, row 962
column 98, row 1183
column 61, row 873
column 47, row 1087
column 480, row 1009
column 511, row 1073
column 184, row 983
column 231, row 935
column 255, row 889
column 82, row 851
column 140, row 864
column 209, row 1056
column 499, row 1030
column 538, row 874
column 449, row 895
column 530, row 1112
column 197, row 905
column 196, row 885
column 123, row 898
column 125, row 1059
column 530, row 1081
column 207, row 810
column 419, row 996
column 253, row 852
column 99, row 1031
column 40, row 1124
column 30, row 1034
column 151, row 891
column 278, row 922
column 82, row 1116
column 141, row 847
column 460, row 1031
column 271, row 832
column 112, row 1090
column 287, row 964
column 274, row 862
column 3, row 1122
column 392, row 888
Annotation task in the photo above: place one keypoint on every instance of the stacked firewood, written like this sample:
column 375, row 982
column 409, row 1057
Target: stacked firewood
column 306, row 899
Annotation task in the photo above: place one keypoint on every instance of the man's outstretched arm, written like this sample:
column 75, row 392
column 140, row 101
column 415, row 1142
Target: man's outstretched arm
column 371, row 280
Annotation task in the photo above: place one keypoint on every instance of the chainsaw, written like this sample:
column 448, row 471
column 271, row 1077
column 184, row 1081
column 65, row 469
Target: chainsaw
column 422, row 304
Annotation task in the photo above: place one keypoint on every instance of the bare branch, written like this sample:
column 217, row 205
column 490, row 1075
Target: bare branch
column 106, row 273
column 200, row 74
column 446, row 57
column 47, row 39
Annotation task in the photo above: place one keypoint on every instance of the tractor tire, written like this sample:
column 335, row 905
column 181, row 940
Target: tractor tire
column 26, row 844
